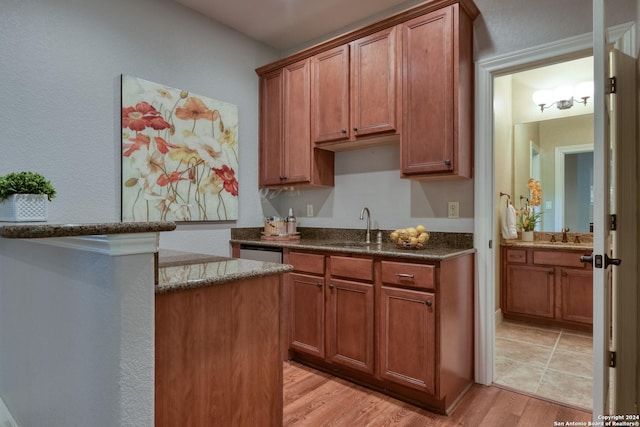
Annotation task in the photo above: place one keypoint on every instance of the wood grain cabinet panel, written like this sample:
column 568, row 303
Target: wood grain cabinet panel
column 436, row 137
column 407, row 338
column 287, row 156
column 217, row 355
column 350, row 324
column 577, row 295
column 530, row 290
column 307, row 314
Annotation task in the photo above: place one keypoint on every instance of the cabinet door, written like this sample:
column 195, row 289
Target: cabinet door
column 373, row 83
column 530, row 290
column 577, row 295
column 330, row 95
column 271, row 129
column 297, row 123
column 350, row 324
column 407, row 343
column 306, row 315
column 427, row 140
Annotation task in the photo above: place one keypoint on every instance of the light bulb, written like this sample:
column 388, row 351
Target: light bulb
column 583, row 90
column 542, row 97
column 563, row 93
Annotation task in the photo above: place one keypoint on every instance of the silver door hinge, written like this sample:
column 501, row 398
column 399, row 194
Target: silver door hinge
column 613, row 222
column 612, row 85
column 612, row 359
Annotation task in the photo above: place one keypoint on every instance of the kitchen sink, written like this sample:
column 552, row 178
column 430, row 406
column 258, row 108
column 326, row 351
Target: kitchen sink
column 352, row 245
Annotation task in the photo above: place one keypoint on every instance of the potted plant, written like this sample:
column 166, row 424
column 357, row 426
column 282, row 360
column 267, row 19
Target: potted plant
column 24, row 196
column 528, row 218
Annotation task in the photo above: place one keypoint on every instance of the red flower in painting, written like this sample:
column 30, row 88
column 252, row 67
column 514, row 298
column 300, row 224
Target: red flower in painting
column 163, row 146
column 164, row 180
column 141, row 116
column 228, row 176
column 139, row 141
column 195, row 109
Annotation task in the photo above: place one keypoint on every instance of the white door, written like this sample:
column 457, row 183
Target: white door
column 603, row 193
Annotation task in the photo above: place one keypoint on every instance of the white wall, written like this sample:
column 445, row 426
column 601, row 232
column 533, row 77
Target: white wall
column 59, row 77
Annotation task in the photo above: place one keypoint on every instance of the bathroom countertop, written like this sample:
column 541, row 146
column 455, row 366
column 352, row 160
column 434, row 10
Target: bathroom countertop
column 36, row 230
column 179, row 270
column 546, row 244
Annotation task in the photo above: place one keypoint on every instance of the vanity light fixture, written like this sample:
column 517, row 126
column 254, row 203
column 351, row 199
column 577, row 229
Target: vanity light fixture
column 563, row 97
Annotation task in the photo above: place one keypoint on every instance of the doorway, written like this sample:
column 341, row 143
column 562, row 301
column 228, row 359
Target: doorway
column 531, row 357
column 486, row 232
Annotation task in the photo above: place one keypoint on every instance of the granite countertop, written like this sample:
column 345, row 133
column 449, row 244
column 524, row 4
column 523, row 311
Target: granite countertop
column 179, row 270
column 33, row 230
column 439, row 247
column 542, row 240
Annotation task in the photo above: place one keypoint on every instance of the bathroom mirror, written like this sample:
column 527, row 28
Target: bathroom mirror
column 558, row 153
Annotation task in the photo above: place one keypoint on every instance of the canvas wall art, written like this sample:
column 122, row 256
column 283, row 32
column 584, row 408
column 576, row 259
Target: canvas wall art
column 179, row 155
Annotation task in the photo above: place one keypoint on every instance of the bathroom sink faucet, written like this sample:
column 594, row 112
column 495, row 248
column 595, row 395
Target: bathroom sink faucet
column 366, row 209
column 564, row 235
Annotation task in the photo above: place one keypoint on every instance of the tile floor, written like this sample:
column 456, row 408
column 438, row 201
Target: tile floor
column 548, row 362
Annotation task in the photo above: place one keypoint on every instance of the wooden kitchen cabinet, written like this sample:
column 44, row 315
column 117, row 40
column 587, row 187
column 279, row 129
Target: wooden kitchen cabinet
column 350, row 313
column 437, row 73
column 548, row 286
column 407, row 345
column 287, row 156
column 399, row 326
column 354, row 90
column 305, row 297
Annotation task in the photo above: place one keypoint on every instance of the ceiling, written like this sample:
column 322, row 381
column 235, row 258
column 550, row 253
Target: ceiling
column 288, row 24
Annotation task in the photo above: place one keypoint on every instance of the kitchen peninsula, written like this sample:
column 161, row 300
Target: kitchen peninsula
column 218, row 341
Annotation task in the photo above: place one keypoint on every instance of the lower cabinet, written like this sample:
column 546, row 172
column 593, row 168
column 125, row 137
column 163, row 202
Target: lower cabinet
column 407, row 338
column 398, row 326
column 549, row 286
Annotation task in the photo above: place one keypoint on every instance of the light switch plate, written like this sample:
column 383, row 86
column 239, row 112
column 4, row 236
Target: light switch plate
column 309, row 210
column 453, row 210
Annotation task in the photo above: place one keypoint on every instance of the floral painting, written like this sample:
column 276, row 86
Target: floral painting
column 179, row 155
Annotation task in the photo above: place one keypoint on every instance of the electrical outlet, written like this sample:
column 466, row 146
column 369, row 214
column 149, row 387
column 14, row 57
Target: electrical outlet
column 309, row 210
column 453, row 210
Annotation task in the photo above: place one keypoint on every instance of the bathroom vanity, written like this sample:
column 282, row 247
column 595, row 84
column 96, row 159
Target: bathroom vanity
column 546, row 283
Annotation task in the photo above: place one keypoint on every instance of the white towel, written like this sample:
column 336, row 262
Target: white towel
column 509, row 222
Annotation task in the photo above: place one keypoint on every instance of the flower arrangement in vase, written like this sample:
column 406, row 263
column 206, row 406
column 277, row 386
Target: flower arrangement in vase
column 24, row 196
column 528, row 217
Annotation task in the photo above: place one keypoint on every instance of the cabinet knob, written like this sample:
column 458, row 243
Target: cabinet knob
column 564, row 273
column 344, row 131
column 355, row 129
column 319, row 284
column 447, row 162
column 550, row 272
column 331, row 286
column 429, row 303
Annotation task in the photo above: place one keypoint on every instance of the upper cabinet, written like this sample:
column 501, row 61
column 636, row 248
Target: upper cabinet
column 437, row 126
column 287, row 157
column 407, row 78
column 354, row 89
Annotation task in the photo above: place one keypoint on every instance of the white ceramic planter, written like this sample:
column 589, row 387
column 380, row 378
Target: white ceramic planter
column 527, row 236
column 24, row 208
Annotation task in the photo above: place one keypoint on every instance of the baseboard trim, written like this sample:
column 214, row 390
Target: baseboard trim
column 6, row 419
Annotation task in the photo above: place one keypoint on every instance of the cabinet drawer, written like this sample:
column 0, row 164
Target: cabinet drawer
column 408, row 274
column 558, row 258
column 353, row 268
column 517, row 256
column 308, row 263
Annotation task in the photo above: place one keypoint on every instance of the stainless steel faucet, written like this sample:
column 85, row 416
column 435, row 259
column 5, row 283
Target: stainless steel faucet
column 366, row 209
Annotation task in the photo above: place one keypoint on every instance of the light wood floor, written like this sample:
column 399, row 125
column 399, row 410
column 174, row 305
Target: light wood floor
column 313, row 398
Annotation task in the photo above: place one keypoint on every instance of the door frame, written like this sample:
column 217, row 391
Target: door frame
column 486, row 199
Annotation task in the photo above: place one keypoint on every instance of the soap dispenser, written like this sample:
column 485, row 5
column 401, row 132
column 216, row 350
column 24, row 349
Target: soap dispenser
column 291, row 222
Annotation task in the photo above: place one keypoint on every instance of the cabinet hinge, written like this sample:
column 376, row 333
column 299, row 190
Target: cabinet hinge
column 613, row 222
column 612, row 359
column 612, row 85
